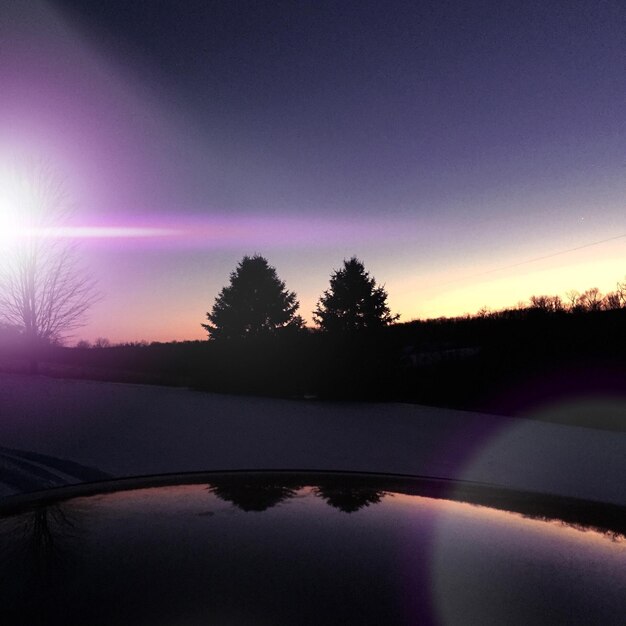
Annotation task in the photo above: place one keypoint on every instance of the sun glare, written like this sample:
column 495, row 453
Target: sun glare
column 22, row 205
column 23, row 209
column 15, row 205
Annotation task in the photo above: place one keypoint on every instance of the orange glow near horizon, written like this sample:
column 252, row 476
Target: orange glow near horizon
column 444, row 286
column 505, row 289
column 180, row 317
column 458, row 508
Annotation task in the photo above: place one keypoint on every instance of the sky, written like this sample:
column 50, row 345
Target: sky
column 454, row 147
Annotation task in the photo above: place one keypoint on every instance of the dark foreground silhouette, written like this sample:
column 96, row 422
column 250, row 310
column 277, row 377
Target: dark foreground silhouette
column 510, row 363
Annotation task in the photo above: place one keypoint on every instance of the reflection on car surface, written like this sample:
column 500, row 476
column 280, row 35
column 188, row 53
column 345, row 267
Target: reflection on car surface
column 308, row 548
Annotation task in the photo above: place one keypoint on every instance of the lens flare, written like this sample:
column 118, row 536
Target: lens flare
column 16, row 204
column 15, row 232
column 25, row 214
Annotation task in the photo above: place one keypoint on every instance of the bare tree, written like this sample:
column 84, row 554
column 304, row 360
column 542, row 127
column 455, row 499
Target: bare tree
column 573, row 300
column 43, row 290
column 484, row 312
column 621, row 292
column 611, row 301
column 101, row 342
column 591, row 300
column 547, row 304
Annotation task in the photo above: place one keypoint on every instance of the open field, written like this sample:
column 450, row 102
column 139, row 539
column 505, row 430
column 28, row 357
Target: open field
column 125, row 430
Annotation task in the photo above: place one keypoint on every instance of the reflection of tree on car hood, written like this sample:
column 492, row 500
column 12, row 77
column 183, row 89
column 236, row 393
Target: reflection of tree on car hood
column 251, row 495
column 260, row 495
column 348, row 499
column 40, row 536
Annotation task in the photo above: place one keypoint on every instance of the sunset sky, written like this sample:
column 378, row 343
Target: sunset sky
column 444, row 143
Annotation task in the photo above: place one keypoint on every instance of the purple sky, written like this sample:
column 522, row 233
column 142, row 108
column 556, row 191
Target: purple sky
column 435, row 140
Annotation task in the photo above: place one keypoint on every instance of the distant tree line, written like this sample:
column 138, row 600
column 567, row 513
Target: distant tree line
column 573, row 302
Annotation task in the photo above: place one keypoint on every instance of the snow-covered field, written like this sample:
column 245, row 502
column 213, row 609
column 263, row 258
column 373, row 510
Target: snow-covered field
column 128, row 430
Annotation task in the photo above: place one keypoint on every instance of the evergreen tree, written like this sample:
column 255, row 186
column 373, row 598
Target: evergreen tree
column 348, row 499
column 255, row 303
column 354, row 301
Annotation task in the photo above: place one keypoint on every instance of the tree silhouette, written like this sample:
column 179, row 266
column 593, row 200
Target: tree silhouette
column 573, row 301
column 611, row 301
column 348, row 499
column 251, row 495
column 621, row 292
column 591, row 300
column 546, row 304
column 354, row 301
column 256, row 303
column 43, row 290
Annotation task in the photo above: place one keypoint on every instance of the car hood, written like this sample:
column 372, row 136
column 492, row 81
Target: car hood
column 307, row 548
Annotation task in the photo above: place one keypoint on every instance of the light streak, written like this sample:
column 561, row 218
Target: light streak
column 87, row 232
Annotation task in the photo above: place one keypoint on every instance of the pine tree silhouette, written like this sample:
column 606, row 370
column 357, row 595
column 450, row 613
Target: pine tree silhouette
column 354, row 301
column 256, row 303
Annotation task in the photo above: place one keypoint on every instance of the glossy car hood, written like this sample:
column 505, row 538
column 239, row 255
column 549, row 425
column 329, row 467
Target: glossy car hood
column 304, row 548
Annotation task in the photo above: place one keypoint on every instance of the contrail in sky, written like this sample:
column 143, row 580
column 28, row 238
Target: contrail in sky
column 533, row 260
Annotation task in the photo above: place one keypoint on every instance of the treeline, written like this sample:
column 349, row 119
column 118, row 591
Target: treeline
column 574, row 302
column 505, row 361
